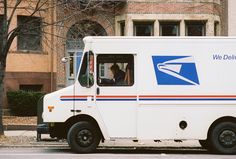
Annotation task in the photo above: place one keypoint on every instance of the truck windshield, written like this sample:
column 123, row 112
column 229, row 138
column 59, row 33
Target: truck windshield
column 86, row 75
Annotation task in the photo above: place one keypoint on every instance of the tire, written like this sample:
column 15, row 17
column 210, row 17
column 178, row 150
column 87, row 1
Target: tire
column 83, row 137
column 204, row 144
column 223, row 138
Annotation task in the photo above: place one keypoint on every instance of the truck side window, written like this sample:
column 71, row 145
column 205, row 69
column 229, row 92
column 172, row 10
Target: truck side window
column 86, row 75
column 115, row 69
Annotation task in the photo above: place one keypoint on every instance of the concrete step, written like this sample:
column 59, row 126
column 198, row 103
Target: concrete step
column 20, row 127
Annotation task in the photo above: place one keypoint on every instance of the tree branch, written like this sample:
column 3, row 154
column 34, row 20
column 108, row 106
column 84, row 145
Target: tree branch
column 12, row 13
column 9, row 42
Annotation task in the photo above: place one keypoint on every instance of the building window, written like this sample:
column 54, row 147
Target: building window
column 143, row 28
column 30, row 34
column 122, row 28
column 102, row 70
column 195, row 28
column 216, row 29
column 115, row 70
column 78, row 31
column 71, row 65
column 75, row 45
column 169, row 29
column 31, row 88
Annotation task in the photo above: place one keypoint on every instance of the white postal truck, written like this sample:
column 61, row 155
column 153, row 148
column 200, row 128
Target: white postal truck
column 162, row 89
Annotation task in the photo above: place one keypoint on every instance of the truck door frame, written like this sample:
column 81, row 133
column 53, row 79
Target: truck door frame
column 108, row 99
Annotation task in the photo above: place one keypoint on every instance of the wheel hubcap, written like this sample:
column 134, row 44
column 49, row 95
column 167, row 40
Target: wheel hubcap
column 84, row 138
column 227, row 138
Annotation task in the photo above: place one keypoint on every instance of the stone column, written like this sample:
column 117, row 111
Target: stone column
column 182, row 28
column 117, row 27
column 210, row 27
column 156, row 28
column 129, row 26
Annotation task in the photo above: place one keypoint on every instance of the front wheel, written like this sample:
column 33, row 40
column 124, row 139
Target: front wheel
column 223, row 138
column 83, row 137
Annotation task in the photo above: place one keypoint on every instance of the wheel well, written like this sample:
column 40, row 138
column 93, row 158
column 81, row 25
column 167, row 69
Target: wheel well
column 71, row 121
column 222, row 119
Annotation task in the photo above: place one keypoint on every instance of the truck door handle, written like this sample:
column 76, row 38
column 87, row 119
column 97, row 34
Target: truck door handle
column 98, row 91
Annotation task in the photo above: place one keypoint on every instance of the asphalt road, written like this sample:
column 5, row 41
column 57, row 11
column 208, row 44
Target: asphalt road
column 65, row 153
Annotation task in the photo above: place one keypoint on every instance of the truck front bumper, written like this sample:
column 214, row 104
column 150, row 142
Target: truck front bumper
column 43, row 128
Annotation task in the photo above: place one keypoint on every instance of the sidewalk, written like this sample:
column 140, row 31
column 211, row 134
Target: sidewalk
column 28, row 139
column 19, row 123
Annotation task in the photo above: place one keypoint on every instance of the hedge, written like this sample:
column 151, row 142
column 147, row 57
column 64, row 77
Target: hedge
column 22, row 103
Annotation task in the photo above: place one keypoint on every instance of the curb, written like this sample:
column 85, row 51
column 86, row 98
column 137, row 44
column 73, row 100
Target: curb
column 20, row 127
column 107, row 148
column 56, row 143
column 36, row 146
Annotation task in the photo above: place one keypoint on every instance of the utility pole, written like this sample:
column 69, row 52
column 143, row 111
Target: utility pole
column 3, row 63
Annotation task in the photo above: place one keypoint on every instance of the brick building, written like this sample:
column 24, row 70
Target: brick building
column 30, row 61
column 231, row 18
column 150, row 18
column 39, row 67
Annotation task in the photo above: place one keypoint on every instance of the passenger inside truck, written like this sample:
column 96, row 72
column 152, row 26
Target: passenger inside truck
column 118, row 74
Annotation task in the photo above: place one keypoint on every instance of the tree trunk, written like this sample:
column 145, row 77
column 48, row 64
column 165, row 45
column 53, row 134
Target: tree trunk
column 3, row 57
column 2, row 74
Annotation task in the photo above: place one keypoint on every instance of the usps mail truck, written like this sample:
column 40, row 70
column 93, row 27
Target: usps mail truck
column 149, row 88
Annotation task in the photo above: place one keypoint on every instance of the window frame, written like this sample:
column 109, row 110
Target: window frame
column 31, row 87
column 175, row 23
column 195, row 23
column 37, row 33
column 73, row 54
column 136, row 23
column 71, row 66
column 114, row 85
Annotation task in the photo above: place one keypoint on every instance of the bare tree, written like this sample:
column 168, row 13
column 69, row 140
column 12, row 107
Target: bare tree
column 66, row 9
column 7, row 36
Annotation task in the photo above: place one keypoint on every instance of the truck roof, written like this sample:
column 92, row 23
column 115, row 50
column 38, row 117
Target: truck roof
column 92, row 38
column 134, row 44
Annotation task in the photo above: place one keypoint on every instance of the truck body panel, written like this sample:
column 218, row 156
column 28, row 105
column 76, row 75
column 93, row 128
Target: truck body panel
column 175, row 80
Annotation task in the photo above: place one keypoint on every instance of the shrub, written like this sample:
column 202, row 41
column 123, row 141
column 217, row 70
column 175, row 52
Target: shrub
column 23, row 103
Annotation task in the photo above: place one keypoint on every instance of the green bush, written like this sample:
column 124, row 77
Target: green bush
column 23, row 103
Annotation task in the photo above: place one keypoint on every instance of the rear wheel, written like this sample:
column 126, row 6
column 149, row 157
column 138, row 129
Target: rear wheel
column 83, row 137
column 223, row 138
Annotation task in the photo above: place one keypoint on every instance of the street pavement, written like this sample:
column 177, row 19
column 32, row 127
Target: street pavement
column 47, row 141
column 49, row 149
column 50, row 153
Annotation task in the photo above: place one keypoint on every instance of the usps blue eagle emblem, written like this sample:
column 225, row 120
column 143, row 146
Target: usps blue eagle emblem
column 175, row 70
